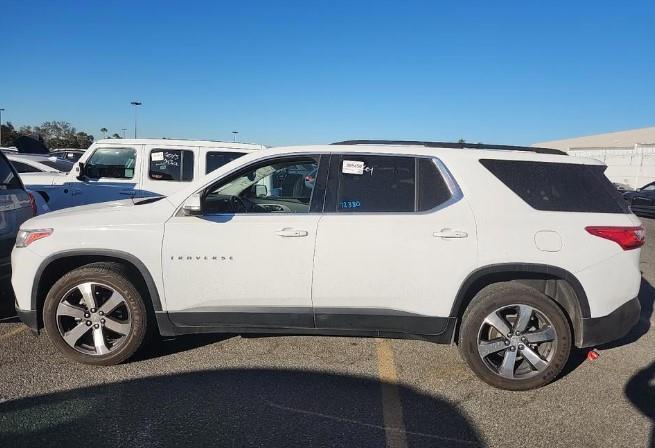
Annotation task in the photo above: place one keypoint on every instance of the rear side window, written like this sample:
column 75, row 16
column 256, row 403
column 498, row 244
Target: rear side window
column 171, row 164
column 24, row 167
column 62, row 165
column 8, row 178
column 217, row 159
column 391, row 184
column 562, row 187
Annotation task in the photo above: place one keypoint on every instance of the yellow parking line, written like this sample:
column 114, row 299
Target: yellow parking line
column 13, row 332
column 392, row 410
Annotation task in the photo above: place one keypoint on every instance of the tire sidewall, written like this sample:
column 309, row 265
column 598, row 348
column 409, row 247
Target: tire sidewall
column 488, row 301
column 110, row 278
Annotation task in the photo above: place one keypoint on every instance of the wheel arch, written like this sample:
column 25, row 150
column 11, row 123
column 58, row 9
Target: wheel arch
column 557, row 283
column 56, row 265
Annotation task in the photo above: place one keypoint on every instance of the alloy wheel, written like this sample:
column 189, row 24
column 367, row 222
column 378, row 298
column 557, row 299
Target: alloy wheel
column 517, row 341
column 93, row 318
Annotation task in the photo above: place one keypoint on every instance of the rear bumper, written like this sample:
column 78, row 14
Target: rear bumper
column 600, row 330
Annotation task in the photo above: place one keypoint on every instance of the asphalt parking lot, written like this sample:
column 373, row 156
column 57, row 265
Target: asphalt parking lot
column 328, row 391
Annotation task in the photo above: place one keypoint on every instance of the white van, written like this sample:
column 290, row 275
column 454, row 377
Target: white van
column 133, row 168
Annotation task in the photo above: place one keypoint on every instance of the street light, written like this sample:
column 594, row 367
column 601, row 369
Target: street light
column 1, row 110
column 234, row 135
column 123, row 129
column 135, row 104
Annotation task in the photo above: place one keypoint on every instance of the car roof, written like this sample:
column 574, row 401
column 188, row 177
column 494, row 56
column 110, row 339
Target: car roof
column 179, row 142
column 447, row 153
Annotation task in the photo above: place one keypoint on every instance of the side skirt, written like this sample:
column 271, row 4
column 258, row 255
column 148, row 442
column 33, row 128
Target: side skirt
column 404, row 326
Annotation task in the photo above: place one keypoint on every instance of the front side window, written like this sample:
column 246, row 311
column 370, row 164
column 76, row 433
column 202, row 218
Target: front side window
column 282, row 186
column 216, row 159
column 116, row 163
column 649, row 187
column 171, row 164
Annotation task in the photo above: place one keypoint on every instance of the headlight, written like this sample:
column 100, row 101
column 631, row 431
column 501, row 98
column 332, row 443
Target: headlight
column 27, row 237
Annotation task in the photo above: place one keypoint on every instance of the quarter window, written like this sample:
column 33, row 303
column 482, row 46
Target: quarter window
column 116, row 163
column 171, row 164
column 215, row 159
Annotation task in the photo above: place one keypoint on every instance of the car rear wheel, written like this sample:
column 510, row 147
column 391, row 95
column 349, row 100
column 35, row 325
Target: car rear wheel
column 95, row 315
column 514, row 337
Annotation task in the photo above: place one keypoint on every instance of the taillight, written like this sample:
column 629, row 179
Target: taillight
column 626, row 237
column 32, row 203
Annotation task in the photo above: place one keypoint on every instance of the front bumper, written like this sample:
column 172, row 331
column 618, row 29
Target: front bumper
column 600, row 330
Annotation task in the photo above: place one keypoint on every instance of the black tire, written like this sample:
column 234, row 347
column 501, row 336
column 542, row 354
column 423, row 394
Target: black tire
column 501, row 296
column 117, row 277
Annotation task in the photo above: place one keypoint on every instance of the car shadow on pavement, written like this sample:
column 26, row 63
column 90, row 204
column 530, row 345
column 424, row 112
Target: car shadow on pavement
column 640, row 390
column 164, row 346
column 235, row 407
column 7, row 310
column 646, row 299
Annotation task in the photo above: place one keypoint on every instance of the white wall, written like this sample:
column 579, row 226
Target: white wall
column 634, row 166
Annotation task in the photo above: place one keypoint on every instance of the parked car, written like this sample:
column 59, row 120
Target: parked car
column 16, row 206
column 69, row 154
column 516, row 255
column 134, row 168
column 32, row 163
column 622, row 188
column 642, row 200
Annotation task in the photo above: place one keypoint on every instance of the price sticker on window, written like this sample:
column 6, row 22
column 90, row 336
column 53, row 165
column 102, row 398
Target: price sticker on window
column 157, row 156
column 352, row 167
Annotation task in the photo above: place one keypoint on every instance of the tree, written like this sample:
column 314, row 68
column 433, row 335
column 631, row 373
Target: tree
column 104, row 132
column 9, row 134
column 54, row 134
column 116, row 136
column 461, row 140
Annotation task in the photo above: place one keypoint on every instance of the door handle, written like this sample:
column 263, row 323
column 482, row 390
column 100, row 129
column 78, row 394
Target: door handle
column 128, row 192
column 288, row 232
column 450, row 233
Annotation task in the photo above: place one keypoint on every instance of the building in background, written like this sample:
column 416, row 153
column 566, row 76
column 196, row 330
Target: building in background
column 629, row 155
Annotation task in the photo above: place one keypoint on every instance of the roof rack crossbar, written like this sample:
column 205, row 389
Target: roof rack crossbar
column 455, row 145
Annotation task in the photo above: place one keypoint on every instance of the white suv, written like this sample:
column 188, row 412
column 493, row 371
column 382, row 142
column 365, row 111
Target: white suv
column 116, row 169
column 513, row 254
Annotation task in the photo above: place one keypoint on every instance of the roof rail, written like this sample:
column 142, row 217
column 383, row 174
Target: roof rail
column 454, row 145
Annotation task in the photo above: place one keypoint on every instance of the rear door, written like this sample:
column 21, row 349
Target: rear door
column 394, row 244
column 15, row 208
column 168, row 169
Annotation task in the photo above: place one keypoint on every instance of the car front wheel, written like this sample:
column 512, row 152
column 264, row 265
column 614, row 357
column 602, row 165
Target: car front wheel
column 95, row 315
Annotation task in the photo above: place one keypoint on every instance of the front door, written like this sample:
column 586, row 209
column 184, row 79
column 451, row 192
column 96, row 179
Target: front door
column 246, row 260
column 395, row 246
column 111, row 174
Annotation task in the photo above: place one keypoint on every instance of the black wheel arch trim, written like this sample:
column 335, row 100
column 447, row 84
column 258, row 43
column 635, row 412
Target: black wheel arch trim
column 143, row 270
column 521, row 268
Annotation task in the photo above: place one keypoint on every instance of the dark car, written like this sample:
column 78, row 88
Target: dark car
column 71, row 155
column 16, row 206
column 642, row 201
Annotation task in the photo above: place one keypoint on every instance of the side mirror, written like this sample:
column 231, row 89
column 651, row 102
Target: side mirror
column 261, row 191
column 192, row 205
column 81, row 173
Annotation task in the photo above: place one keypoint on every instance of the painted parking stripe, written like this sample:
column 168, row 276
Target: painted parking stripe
column 392, row 410
column 13, row 332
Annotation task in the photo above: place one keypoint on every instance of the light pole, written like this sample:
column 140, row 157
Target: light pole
column 1, row 110
column 234, row 135
column 123, row 129
column 135, row 104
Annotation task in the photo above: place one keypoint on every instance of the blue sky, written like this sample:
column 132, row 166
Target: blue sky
column 293, row 72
